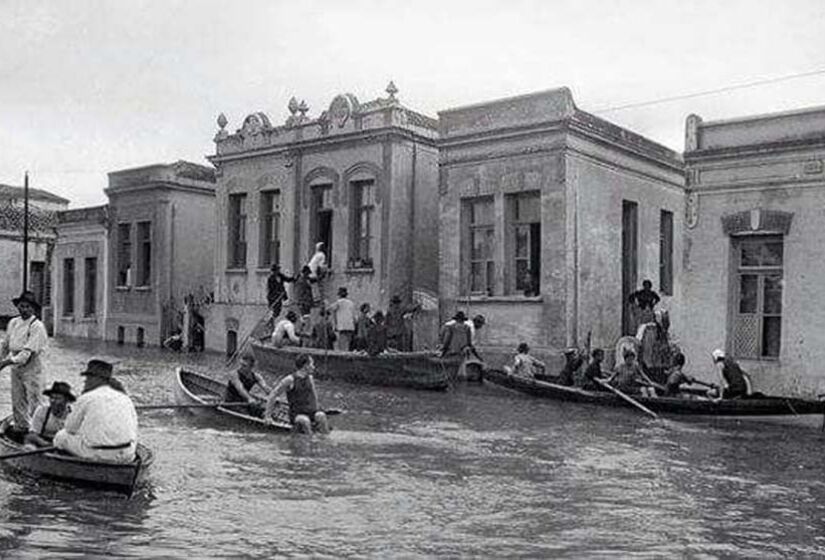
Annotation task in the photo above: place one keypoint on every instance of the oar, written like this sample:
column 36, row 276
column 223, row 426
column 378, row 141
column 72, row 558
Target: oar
column 627, row 398
column 328, row 412
column 28, row 452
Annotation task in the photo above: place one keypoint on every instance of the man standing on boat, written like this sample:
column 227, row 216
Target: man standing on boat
column 103, row 423
column 302, row 398
column 21, row 351
column 343, row 311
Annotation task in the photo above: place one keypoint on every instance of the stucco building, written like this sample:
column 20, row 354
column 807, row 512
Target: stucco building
column 43, row 206
column 550, row 218
column 754, row 247
column 79, row 280
column 361, row 177
column 160, row 250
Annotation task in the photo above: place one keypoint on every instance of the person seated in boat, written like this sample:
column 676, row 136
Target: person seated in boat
column 456, row 336
column 573, row 360
column 524, row 364
column 240, row 384
column 323, row 332
column 362, row 327
column 593, row 372
column 50, row 417
column 284, row 333
column 733, row 380
column 301, row 396
column 676, row 378
column 103, row 423
column 377, row 335
column 629, row 377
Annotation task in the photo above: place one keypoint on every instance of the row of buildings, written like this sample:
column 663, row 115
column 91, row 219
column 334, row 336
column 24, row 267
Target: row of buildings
column 539, row 215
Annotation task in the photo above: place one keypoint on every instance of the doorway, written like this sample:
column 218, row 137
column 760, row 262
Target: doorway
column 630, row 262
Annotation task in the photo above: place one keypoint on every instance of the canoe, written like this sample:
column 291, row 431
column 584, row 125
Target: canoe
column 194, row 388
column 762, row 408
column 61, row 466
column 415, row 370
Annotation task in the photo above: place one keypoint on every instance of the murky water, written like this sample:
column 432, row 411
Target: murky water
column 478, row 472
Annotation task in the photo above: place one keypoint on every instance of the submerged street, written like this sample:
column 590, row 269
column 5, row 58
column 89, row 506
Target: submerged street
column 476, row 471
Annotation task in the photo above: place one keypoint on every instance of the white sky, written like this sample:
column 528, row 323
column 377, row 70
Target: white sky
column 88, row 87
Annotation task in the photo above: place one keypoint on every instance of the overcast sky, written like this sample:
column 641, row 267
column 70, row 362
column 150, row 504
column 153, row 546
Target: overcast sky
column 88, row 87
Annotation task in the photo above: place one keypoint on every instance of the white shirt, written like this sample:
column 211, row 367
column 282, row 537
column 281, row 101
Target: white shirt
column 53, row 423
column 23, row 338
column 285, row 329
column 103, row 417
column 344, row 310
column 318, row 261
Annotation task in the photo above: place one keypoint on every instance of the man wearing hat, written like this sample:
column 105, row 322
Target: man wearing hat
column 456, row 337
column 50, row 417
column 275, row 289
column 343, row 314
column 399, row 330
column 733, row 380
column 20, row 352
column 103, row 423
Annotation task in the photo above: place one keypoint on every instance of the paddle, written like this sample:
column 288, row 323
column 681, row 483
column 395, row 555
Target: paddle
column 28, row 452
column 328, row 412
column 627, row 398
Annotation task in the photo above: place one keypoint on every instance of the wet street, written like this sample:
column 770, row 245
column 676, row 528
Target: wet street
column 475, row 472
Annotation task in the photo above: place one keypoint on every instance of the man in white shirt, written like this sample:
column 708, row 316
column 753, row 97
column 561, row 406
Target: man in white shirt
column 317, row 270
column 343, row 311
column 103, row 423
column 20, row 351
column 284, row 333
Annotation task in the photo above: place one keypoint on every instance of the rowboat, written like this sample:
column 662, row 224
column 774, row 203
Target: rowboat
column 192, row 388
column 416, row 370
column 786, row 410
column 57, row 465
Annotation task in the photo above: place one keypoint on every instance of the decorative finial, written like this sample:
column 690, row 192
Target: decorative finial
column 303, row 108
column 293, row 106
column 222, row 121
column 391, row 90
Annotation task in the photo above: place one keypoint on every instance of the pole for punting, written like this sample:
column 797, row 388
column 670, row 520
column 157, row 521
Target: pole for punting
column 26, row 232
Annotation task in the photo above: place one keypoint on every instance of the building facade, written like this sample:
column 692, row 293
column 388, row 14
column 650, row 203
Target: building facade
column 361, row 178
column 43, row 207
column 550, row 218
column 79, row 280
column 754, row 252
column 160, row 250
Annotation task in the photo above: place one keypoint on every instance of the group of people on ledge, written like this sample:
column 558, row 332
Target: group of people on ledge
column 100, row 424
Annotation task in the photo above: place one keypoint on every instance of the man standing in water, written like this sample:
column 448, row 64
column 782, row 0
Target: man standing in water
column 20, row 351
column 302, row 398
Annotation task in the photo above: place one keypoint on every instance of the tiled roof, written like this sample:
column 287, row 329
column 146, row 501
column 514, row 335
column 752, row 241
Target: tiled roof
column 40, row 221
column 9, row 191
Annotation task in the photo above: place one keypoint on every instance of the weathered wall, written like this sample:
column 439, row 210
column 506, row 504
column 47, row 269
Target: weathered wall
column 11, row 273
column 191, row 247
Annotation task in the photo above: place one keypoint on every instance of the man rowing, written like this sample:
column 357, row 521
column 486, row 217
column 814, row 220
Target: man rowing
column 301, row 397
column 240, row 384
column 103, row 423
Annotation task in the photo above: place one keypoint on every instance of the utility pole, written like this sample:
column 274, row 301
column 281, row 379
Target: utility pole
column 26, row 232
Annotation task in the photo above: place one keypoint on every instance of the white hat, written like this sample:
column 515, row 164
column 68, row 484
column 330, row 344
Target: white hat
column 717, row 354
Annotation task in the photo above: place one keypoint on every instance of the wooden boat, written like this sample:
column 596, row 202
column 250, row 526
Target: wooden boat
column 757, row 408
column 193, row 388
column 58, row 465
column 416, row 370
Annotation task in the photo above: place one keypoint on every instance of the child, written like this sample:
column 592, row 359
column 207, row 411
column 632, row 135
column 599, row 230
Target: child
column 526, row 365
column 629, row 378
column 593, row 371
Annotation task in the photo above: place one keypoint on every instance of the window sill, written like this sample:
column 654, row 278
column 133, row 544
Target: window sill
column 262, row 270
column 762, row 360
column 502, row 299
column 122, row 288
column 89, row 319
column 236, row 271
column 361, row 270
column 143, row 288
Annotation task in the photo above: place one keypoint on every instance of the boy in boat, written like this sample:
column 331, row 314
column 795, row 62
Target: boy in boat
column 734, row 381
column 573, row 360
column 302, row 398
column 284, row 333
column 20, row 351
column 240, row 384
column 50, row 417
column 593, row 371
column 103, row 423
column 676, row 377
column 629, row 378
column 524, row 364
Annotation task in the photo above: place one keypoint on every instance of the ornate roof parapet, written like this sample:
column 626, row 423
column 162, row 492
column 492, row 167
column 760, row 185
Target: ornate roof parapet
column 344, row 115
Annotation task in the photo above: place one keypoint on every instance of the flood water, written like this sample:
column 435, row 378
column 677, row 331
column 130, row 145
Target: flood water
column 475, row 472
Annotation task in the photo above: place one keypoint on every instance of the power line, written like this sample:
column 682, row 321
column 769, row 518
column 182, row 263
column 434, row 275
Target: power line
column 711, row 91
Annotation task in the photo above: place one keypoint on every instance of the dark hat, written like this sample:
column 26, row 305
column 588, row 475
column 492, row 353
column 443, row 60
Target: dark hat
column 460, row 316
column 395, row 299
column 275, row 267
column 60, row 388
column 479, row 319
column 28, row 297
column 98, row 368
column 342, row 291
